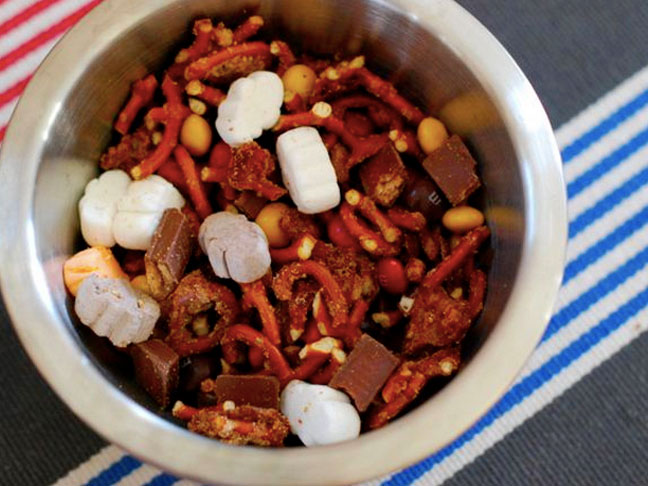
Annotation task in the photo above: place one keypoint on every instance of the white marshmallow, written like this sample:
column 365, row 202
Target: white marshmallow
column 237, row 248
column 253, row 104
column 307, row 171
column 318, row 414
column 98, row 206
column 113, row 308
column 139, row 211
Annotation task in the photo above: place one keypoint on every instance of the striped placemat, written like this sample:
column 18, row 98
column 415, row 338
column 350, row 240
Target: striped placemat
column 600, row 309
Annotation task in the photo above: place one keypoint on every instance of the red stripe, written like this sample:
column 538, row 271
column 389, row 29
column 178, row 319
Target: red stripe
column 9, row 94
column 2, row 132
column 46, row 35
column 25, row 15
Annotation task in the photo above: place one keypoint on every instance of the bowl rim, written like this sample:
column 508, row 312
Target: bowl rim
column 58, row 356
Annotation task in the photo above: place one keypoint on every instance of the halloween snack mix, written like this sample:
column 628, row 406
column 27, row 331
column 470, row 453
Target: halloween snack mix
column 284, row 246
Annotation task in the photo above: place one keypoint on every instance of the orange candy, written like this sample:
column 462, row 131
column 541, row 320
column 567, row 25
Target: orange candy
column 97, row 259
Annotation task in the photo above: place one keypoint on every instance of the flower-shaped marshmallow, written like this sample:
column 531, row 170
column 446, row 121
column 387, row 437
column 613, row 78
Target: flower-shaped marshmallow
column 237, row 248
column 113, row 308
column 253, row 104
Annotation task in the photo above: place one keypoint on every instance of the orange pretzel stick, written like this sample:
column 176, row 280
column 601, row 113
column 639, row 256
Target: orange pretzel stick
column 247, row 29
column 415, row 270
column 404, row 385
column 200, row 68
column 387, row 319
column 193, row 296
column 349, row 333
column 242, row 424
column 211, row 96
column 408, row 220
column 285, row 55
column 299, row 307
column 176, row 113
column 320, row 115
column 202, row 29
column 335, row 299
column 369, row 240
column 172, row 173
column 477, row 290
column 275, row 361
column 254, row 295
column 311, row 333
column 197, row 191
column 369, row 210
column 314, row 355
column 467, row 246
column 300, row 249
column 142, row 93
column 333, row 79
column 405, row 142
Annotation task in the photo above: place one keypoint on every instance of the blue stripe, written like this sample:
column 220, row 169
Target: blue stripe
column 115, row 472
column 622, row 233
column 606, row 164
column 606, row 126
column 595, row 293
column 587, row 217
column 529, row 384
column 163, row 479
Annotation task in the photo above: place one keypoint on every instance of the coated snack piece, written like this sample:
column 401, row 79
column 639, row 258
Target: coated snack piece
column 140, row 210
column 453, row 169
column 156, row 369
column 111, row 307
column 96, row 260
column 307, row 170
column 98, row 206
column 253, row 104
column 237, row 248
column 166, row 259
column 256, row 390
column 318, row 414
column 383, row 176
column 365, row 371
column 422, row 194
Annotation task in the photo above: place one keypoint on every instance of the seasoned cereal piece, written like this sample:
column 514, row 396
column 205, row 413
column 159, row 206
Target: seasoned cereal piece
column 130, row 151
column 383, row 176
column 249, row 170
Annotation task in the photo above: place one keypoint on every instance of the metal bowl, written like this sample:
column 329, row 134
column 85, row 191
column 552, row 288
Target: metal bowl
column 439, row 56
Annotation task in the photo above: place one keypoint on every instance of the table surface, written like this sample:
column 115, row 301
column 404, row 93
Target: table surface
column 595, row 432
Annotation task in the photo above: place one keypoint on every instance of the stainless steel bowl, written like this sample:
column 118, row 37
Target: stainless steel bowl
column 439, row 56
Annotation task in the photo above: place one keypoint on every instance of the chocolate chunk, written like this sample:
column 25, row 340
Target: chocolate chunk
column 365, row 371
column 171, row 247
column 422, row 194
column 196, row 368
column 383, row 176
column 453, row 169
column 156, row 369
column 256, row 390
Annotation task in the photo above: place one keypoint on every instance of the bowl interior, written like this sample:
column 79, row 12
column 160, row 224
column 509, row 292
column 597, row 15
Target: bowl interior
column 420, row 65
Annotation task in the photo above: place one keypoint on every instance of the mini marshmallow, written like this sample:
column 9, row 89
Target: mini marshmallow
column 318, row 414
column 253, row 104
column 98, row 206
column 236, row 248
column 113, row 308
column 307, row 171
column 140, row 210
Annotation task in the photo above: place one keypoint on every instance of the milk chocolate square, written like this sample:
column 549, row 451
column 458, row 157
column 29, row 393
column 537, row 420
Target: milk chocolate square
column 256, row 390
column 157, row 369
column 383, row 176
column 166, row 259
column 453, row 169
column 365, row 371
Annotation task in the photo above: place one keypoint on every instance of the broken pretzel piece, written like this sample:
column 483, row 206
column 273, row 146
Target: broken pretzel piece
column 142, row 93
column 408, row 380
column 236, row 424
